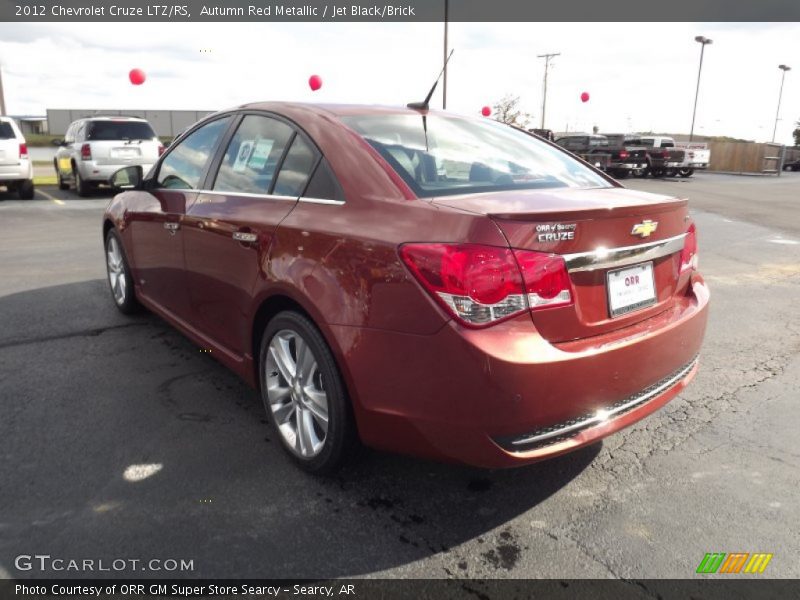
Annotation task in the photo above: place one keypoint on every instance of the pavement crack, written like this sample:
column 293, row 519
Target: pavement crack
column 72, row 334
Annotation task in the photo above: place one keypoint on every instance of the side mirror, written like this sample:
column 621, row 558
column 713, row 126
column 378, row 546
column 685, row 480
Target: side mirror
column 127, row 178
column 57, row 142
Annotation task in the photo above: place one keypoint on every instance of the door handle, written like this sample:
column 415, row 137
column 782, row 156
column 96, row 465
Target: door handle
column 172, row 226
column 245, row 237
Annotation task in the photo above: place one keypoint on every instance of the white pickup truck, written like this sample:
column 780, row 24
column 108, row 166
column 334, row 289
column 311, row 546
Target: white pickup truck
column 697, row 155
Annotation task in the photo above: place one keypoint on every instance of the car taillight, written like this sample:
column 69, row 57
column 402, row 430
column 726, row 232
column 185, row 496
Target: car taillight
column 23, row 151
column 689, row 252
column 481, row 285
column 86, row 152
column 623, row 154
column 161, row 149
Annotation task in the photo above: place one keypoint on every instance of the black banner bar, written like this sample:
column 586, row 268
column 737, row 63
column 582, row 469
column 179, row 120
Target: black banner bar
column 399, row 11
column 717, row 588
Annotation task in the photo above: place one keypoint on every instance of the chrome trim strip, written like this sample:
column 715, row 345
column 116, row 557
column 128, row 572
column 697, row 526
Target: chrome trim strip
column 245, row 194
column 321, row 201
column 607, row 414
column 606, row 258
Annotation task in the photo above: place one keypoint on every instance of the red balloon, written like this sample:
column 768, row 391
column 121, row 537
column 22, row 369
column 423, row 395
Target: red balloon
column 315, row 82
column 137, row 76
column 585, row 97
column 486, row 111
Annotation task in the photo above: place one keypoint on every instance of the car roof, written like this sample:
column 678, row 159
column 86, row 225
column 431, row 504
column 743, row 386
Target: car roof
column 113, row 118
column 339, row 110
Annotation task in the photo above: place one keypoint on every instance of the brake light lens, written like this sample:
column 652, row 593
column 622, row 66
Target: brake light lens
column 623, row 154
column 689, row 252
column 482, row 285
column 86, row 152
column 161, row 149
column 23, row 151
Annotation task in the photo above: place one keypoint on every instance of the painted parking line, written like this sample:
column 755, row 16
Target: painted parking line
column 49, row 197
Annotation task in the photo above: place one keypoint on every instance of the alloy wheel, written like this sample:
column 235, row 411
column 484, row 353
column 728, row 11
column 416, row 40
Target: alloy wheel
column 116, row 271
column 296, row 393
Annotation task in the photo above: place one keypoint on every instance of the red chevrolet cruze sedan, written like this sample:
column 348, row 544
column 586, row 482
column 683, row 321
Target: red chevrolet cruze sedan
column 425, row 283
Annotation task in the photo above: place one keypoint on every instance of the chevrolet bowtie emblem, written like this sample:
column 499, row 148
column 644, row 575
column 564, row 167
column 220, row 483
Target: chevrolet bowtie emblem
column 645, row 228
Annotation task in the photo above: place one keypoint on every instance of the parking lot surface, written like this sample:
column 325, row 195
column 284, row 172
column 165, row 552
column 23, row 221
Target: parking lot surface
column 120, row 439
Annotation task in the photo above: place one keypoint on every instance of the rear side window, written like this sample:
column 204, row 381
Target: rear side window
column 186, row 162
column 296, row 168
column 323, row 184
column 252, row 156
column 6, row 132
column 98, row 131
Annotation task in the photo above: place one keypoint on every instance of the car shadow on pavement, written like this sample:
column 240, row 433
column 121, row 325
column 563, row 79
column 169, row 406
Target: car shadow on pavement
column 122, row 438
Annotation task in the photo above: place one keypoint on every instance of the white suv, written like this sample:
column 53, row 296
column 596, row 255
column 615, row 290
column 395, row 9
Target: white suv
column 95, row 148
column 16, row 168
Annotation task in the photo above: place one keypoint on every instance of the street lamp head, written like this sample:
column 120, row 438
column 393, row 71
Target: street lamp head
column 784, row 68
column 703, row 40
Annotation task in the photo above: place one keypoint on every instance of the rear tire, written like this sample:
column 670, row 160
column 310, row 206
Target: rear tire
column 120, row 280
column 25, row 189
column 686, row 172
column 293, row 399
column 61, row 184
column 81, row 186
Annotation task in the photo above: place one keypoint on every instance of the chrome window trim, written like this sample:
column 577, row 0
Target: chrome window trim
column 604, row 415
column 246, row 195
column 603, row 258
column 321, row 201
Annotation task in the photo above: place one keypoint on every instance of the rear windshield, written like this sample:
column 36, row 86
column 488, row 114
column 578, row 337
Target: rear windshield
column 6, row 133
column 119, row 130
column 439, row 156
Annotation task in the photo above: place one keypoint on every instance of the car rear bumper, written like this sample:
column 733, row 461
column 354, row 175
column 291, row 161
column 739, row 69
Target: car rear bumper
column 467, row 395
column 19, row 171
column 91, row 171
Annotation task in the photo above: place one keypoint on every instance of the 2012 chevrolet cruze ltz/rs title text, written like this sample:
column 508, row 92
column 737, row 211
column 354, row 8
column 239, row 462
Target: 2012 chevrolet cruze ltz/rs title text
column 424, row 283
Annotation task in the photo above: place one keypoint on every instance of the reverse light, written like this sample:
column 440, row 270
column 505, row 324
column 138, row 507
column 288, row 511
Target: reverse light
column 689, row 252
column 86, row 152
column 482, row 285
column 23, row 151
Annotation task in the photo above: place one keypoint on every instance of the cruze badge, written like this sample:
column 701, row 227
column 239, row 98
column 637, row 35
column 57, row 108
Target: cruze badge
column 555, row 232
column 645, row 228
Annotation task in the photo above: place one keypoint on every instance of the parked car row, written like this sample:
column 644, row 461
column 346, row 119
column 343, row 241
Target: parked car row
column 622, row 155
column 16, row 169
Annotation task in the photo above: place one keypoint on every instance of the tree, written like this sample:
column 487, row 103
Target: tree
column 507, row 110
column 796, row 134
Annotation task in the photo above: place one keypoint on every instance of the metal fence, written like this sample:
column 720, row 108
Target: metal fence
column 166, row 123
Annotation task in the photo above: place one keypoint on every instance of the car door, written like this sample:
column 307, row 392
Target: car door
column 156, row 214
column 228, row 231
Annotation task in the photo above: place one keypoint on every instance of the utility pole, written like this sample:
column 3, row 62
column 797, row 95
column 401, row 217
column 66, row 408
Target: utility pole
column 546, row 58
column 444, row 89
column 2, row 96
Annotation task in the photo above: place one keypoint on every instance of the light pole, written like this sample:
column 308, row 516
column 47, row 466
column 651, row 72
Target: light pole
column 703, row 41
column 546, row 58
column 783, row 68
column 2, row 96
column 444, row 86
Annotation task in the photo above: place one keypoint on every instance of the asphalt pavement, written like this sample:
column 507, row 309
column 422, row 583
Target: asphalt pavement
column 120, row 439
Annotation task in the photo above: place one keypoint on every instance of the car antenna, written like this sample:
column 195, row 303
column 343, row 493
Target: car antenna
column 424, row 104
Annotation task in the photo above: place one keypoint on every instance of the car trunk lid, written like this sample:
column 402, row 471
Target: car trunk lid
column 597, row 231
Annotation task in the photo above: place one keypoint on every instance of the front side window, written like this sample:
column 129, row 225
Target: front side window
column 185, row 164
column 252, row 156
column 441, row 155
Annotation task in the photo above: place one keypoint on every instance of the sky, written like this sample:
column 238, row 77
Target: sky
column 640, row 76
